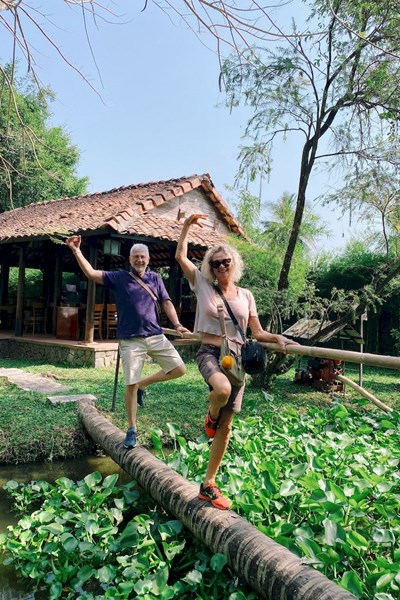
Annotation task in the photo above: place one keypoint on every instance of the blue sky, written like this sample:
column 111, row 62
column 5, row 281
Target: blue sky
column 160, row 114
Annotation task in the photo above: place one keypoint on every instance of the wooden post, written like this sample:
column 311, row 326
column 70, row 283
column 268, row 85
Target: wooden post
column 19, row 312
column 57, row 283
column 91, row 297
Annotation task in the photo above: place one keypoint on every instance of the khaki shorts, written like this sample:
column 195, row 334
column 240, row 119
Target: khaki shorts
column 134, row 351
column 207, row 359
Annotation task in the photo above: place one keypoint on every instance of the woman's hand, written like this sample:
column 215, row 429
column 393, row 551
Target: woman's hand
column 283, row 341
column 194, row 219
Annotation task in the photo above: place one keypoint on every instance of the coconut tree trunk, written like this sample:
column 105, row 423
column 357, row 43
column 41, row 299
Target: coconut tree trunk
column 270, row 569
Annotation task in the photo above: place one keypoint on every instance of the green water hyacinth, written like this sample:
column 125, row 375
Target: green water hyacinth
column 325, row 484
column 94, row 540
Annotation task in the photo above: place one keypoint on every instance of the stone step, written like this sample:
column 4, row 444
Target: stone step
column 72, row 398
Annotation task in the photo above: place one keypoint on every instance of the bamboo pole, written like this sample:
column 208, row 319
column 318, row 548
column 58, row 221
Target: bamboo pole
column 373, row 360
column 364, row 392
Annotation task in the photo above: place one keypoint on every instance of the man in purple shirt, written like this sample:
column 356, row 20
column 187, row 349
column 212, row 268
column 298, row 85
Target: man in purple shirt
column 139, row 330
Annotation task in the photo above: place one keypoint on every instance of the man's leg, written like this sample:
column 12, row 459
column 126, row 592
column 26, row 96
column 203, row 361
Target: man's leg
column 133, row 353
column 131, row 403
column 161, row 350
column 162, row 376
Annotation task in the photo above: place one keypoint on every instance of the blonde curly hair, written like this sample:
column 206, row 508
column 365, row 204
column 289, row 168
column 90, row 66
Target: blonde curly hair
column 237, row 265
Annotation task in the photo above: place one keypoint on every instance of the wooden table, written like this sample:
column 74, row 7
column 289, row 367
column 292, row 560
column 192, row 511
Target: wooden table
column 67, row 323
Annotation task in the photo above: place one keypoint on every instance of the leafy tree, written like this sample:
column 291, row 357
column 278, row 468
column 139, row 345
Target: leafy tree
column 37, row 161
column 353, row 268
column 338, row 79
column 374, row 194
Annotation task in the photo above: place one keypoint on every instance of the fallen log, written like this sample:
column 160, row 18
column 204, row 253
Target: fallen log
column 268, row 568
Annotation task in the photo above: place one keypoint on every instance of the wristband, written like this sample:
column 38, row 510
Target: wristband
column 177, row 325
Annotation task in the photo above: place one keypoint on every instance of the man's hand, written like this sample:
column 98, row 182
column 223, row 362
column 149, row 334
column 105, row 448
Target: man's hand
column 74, row 243
column 181, row 329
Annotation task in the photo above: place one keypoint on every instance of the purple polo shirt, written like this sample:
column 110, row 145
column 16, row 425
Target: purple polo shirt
column 136, row 309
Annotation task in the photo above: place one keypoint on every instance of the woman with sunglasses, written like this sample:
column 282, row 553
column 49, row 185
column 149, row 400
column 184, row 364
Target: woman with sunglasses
column 222, row 265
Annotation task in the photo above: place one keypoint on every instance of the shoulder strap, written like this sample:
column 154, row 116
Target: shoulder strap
column 228, row 308
column 147, row 288
column 221, row 316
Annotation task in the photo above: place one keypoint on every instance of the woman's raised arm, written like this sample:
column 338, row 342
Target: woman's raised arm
column 181, row 253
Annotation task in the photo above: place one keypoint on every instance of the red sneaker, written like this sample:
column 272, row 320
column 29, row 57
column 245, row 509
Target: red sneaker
column 212, row 494
column 210, row 426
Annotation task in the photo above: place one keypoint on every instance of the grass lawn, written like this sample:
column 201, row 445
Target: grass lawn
column 31, row 429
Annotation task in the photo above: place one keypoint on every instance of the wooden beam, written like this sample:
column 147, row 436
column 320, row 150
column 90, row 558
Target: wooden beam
column 269, row 568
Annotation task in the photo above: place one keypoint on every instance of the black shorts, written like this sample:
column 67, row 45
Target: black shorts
column 207, row 359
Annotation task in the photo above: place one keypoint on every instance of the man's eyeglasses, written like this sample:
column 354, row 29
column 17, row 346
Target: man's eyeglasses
column 225, row 262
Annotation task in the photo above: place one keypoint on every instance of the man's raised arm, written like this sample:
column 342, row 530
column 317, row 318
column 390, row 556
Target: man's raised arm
column 74, row 243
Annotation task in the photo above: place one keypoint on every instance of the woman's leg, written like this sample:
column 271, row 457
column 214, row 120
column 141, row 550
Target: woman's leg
column 219, row 395
column 219, row 445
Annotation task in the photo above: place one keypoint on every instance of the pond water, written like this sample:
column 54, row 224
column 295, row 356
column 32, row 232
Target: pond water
column 11, row 588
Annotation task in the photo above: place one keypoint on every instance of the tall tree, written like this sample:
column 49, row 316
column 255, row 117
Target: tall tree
column 37, row 161
column 337, row 80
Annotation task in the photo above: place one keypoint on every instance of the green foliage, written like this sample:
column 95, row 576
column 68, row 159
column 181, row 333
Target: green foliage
column 38, row 161
column 263, row 256
column 352, row 268
column 276, row 232
column 324, row 483
column 94, row 540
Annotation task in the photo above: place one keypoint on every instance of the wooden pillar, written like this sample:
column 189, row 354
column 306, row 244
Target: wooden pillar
column 5, row 280
column 91, row 296
column 174, row 280
column 19, row 313
column 57, row 283
column 48, row 249
column 4, row 283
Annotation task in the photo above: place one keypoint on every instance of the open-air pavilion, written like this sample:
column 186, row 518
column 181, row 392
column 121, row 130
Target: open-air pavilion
column 62, row 320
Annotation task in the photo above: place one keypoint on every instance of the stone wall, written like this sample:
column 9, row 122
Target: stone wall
column 73, row 356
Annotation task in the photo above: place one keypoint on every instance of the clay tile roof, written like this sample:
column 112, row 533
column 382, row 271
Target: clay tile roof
column 166, row 229
column 115, row 209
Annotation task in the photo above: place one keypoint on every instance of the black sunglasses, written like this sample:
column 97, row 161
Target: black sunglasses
column 225, row 262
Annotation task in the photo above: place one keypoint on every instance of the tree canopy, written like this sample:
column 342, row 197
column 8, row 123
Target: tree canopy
column 37, row 161
column 336, row 77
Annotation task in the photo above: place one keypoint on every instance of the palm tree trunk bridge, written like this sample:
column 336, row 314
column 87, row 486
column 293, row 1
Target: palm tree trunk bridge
column 269, row 568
